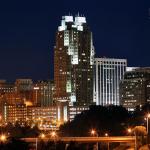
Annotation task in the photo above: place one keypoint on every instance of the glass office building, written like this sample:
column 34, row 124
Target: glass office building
column 135, row 88
column 108, row 74
column 74, row 61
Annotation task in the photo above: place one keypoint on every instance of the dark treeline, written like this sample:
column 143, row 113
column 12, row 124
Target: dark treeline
column 113, row 120
column 18, row 131
column 14, row 144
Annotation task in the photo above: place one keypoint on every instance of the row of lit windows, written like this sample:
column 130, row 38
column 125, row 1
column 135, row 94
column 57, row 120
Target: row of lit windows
column 111, row 62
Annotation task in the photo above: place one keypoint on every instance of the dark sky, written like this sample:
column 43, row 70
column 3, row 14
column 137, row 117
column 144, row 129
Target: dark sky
column 121, row 29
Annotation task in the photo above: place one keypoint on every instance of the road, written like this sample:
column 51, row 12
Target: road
column 127, row 139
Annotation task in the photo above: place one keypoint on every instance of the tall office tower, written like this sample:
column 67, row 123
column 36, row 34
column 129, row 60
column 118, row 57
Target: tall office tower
column 135, row 88
column 108, row 74
column 73, row 61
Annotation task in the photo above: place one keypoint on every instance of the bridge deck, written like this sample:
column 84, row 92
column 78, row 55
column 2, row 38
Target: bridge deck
column 85, row 139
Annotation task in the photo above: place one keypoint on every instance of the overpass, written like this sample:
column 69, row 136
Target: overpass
column 119, row 139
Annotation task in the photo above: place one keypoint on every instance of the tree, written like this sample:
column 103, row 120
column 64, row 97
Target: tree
column 14, row 144
column 140, row 133
column 111, row 119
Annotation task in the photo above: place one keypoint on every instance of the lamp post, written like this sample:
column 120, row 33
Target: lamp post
column 36, row 143
column 147, row 120
column 42, row 136
column 53, row 135
column 94, row 133
column 106, row 135
column 147, row 125
column 135, row 140
column 129, row 130
column 3, row 138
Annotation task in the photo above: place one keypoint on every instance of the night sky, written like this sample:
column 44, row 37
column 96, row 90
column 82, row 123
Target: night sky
column 121, row 29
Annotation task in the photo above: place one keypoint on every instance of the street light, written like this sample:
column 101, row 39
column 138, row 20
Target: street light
column 106, row 135
column 3, row 138
column 42, row 135
column 129, row 130
column 53, row 135
column 147, row 120
column 147, row 123
column 94, row 133
column 36, row 143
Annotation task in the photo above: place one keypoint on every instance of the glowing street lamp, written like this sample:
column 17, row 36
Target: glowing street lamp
column 42, row 135
column 3, row 138
column 148, row 115
column 53, row 134
column 106, row 134
column 129, row 130
column 94, row 133
column 147, row 120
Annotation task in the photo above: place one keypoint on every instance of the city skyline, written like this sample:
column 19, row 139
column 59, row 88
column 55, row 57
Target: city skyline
column 120, row 30
column 75, row 71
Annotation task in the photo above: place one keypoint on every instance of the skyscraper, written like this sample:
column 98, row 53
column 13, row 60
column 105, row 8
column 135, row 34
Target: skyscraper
column 73, row 61
column 108, row 74
column 135, row 88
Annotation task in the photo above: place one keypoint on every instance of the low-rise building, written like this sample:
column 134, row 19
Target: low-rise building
column 43, row 93
column 15, row 113
column 44, row 117
column 47, row 118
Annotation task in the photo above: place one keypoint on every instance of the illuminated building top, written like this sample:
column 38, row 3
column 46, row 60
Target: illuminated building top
column 77, row 22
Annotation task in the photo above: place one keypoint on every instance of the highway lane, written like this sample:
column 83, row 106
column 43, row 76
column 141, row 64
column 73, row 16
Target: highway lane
column 127, row 139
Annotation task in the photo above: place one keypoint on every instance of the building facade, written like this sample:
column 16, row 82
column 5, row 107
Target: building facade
column 47, row 118
column 43, row 92
column 135, row 88
column 75, row 110
column 24, row 89
column 8, row 95
column 15, row 113
column 73, row 62
column 108, row 74
column 44, row 117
